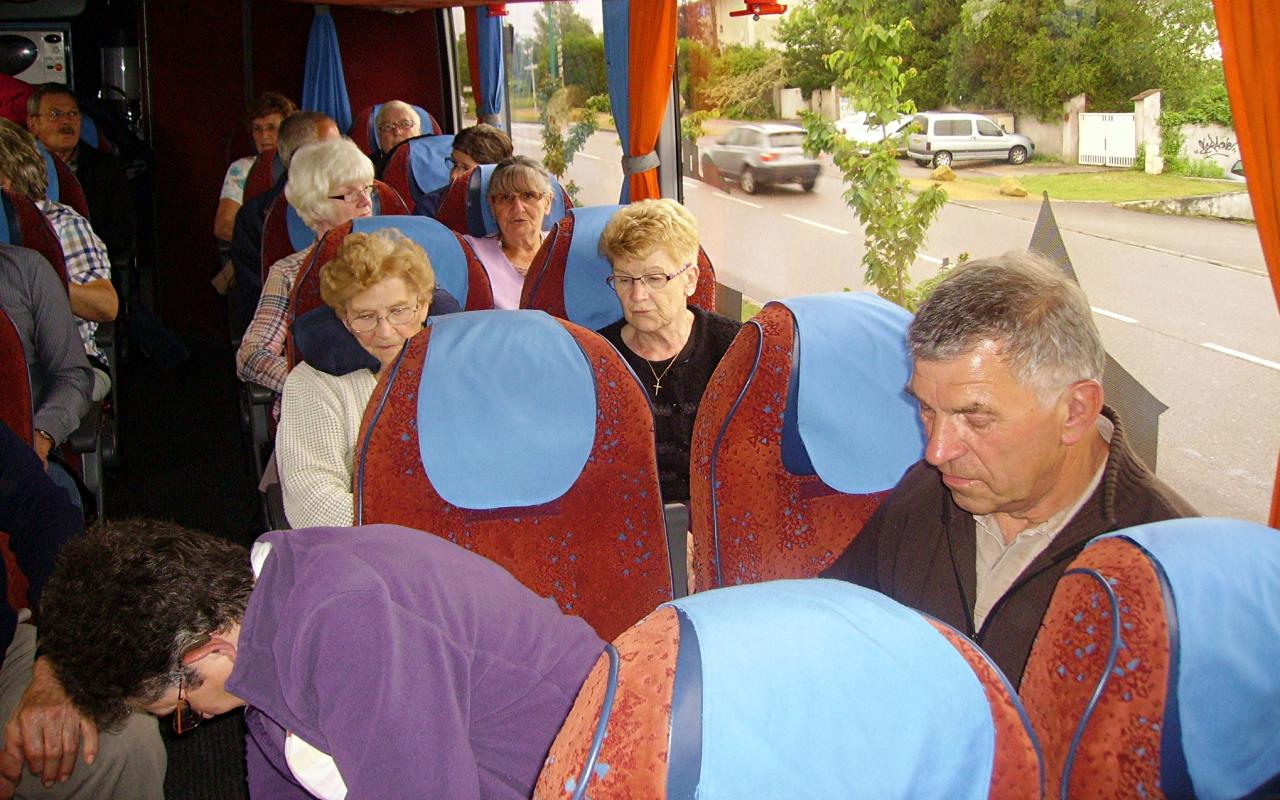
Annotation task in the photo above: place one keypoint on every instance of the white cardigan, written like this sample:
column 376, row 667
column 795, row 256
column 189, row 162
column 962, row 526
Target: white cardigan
column 316, row 444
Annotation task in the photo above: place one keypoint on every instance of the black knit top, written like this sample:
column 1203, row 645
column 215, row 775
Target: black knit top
column 675, row 405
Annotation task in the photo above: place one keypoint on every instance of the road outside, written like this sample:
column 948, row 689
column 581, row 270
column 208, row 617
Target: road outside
column 1183, row 303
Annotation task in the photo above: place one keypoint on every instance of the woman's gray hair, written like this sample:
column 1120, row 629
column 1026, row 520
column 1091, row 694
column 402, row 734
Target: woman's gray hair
column 519, row 174
column 319, row 170
column 1038, row 315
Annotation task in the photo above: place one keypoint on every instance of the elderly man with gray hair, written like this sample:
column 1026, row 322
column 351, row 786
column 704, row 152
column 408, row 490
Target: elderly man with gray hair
column 1023, row 463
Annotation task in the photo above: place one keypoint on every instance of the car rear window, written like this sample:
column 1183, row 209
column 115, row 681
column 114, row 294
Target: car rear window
column 788, row 139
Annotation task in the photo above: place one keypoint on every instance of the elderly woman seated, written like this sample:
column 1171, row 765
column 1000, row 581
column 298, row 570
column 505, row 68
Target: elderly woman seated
column 473, row 146
column 380, row 286
column 520, row 196
column 396, row 122
column 329, row 185
column 673, row 347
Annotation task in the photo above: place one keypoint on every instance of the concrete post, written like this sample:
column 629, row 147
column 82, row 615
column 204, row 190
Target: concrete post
column 1146, row 118
column 1071, row 127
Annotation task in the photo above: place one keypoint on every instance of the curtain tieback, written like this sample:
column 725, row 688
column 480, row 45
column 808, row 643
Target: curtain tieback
column 634, row 165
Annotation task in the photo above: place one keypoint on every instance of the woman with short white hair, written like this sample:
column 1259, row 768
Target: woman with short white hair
column 330, row 184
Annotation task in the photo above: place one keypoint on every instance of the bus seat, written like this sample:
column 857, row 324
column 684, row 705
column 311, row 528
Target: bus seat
column 469, row 211
column 364, row 130
column 804, row 428
column 1154, row 671
column 528, row 440
column 284, row 232
column 64, row 186
column 792, row 689
column 418, row 166
column 263, row 174
column 567, row 276
column 17, row 414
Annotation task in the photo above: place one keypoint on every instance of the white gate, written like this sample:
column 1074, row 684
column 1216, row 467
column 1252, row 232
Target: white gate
column 1108, row 139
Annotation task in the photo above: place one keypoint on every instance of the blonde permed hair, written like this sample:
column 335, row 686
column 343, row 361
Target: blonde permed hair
column 639, row 229
column 366, row 259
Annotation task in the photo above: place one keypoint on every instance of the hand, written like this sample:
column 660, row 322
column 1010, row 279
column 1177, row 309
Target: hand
column 46, row 732
column 42, row 445
column 10, row 774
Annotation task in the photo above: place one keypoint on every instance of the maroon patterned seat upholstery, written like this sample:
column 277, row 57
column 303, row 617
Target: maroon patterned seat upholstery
column 599, row 547
column 460, row 208
column 17, row 414
column 70, row 192
column 264, row 171
column 751, row 517
column 28, row 227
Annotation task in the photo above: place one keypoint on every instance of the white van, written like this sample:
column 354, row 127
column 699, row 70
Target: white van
column 940, row 137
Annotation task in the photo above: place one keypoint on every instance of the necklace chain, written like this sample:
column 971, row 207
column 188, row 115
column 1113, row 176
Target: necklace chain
column 657, row 379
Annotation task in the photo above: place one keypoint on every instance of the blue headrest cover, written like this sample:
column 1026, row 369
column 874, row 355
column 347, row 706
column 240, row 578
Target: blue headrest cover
column 277, row 168
column 480, row 220
column 821, row 688
column 300, row 236
column 588, row 300
column 89, row 131
column 425, row 125
column 51, row 170
column 506, row 409
column 9, row 233
column 1224, row 578
column 428, row 163
column 849, row 419
column 444, row 251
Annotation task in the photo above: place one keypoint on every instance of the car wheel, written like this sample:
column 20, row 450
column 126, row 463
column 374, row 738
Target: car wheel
column 942, row 159
column 1017, row 154
column 808, row 183
column 748, row 180
column 921, row 162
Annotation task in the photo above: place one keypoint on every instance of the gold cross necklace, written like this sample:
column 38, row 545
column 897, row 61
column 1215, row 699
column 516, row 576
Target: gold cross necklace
column 657, row 379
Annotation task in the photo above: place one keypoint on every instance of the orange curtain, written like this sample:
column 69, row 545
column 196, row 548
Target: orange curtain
column 652, row 63
column 473, row 54
column 1250, row 35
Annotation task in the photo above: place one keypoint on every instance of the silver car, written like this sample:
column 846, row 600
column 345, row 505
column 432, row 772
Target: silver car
column 762, row 155
column 940, row 137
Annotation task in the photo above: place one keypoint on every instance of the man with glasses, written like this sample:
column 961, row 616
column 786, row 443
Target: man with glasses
column 375, row 661
column 54, row 116
column 45, row 732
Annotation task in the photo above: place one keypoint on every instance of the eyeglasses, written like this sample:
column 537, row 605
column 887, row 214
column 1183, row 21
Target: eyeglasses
column 185, row 718
column 400, row 315
column 57, row 114
column 654, row 281
column 509, row 198
column 402, row 125
column 354, row 195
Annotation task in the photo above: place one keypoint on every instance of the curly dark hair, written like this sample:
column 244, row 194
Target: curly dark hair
column 127, row 600
column 484, row 143
column 268, row 103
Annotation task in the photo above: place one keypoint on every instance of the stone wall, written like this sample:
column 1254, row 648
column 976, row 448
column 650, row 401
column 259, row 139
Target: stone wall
column 1047, row 136
column 1210, row 143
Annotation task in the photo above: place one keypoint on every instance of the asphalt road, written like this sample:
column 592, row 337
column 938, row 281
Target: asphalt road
column 1184, row 304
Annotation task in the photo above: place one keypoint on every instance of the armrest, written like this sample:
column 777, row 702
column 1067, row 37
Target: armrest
column 676, row 517
column 105, row 336
column 260, row 395
column 85, row 438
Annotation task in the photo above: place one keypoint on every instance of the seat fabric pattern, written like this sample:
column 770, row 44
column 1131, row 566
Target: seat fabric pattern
column 28, row 227
column 276, row 241
column 772, row 524
column 262, row 174
column 599, row 550
column 15, row 400
column 1018, row 769
column 633, row 759
column 1119, row 754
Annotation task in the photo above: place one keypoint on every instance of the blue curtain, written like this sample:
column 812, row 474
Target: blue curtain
column 489, row 51
column 325, row 88
column 617, row 57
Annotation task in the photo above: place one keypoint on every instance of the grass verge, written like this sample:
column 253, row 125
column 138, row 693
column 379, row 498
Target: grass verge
column 1111, row 187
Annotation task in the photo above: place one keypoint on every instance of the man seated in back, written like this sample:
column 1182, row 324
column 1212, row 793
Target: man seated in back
column 376, row 661
column 1023, row 464
column 93, row 297
column 53, row 115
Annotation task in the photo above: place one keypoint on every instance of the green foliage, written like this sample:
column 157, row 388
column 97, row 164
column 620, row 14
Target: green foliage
column 694, row 61
column 808, row 37
column 1203, row 168
column 691, row 125
column 563, row 136
column 742, row 81
column 1210, row 107
column 869, row 71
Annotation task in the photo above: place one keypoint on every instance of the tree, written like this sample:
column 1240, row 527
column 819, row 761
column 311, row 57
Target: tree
column 742, row 81
column 869, row 71
column 807, row 38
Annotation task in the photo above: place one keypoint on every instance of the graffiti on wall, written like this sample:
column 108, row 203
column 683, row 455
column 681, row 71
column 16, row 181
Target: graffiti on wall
column 1213, row 145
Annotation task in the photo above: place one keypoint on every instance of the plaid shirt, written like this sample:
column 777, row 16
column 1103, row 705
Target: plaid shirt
column 261, row 355
column 86, row 258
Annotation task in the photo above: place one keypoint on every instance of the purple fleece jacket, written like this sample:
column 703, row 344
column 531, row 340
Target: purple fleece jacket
column 423, row 669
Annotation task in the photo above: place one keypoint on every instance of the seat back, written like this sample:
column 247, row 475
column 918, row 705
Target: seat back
column 263, row 174
column 527, row 440
column 15, row 400
column 364, row 131
column 469, row 211
column 284, row 232
column 803, row 429
column 25, row 225
column 567, row 276
column 64, row 186
column 1154, row 671
column 418, row 166
column 789, row 689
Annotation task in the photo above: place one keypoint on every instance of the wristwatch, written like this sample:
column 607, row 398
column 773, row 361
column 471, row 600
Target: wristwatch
column 46, row 435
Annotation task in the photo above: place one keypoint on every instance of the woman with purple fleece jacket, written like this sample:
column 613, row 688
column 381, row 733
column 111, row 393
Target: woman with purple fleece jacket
column 374, row 662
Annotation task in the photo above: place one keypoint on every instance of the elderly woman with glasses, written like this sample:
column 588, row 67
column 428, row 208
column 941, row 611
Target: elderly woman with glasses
column 380, row 286
column 520, row 196
column 330, row 184
column 673, row 347
column 396, row 122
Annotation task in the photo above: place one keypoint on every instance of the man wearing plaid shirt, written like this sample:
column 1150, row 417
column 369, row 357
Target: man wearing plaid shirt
column 93, row 298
